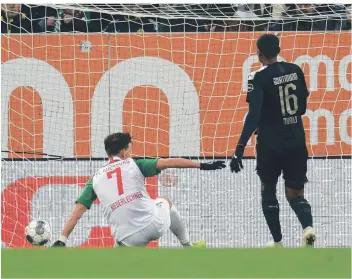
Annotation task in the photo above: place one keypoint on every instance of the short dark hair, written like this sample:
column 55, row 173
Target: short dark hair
column 116, row 142
column 268, row 45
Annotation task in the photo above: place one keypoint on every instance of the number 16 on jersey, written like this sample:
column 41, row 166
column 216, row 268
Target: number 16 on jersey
column 285, row 103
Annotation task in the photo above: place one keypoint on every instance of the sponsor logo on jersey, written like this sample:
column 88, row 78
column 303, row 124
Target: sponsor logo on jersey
column 285, row 79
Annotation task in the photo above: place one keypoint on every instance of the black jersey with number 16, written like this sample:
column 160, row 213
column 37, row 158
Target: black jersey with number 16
column 284, row 102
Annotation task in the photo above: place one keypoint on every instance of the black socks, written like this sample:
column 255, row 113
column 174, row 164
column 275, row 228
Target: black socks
column 303, row 211
column 271, row 210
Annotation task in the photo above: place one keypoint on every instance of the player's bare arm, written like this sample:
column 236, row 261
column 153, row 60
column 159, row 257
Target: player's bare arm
column 120, row 184
column 77, row 213
column 184, row 163
column 83, row 203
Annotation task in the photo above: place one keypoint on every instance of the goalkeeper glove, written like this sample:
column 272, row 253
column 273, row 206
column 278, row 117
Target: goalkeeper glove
column 236, row 162
column 59, row 243
column 216, row 165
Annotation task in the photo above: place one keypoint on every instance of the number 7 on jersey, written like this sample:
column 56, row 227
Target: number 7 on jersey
column 119, row 184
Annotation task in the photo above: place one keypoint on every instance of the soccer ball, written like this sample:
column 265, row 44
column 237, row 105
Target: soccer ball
column 38, row 233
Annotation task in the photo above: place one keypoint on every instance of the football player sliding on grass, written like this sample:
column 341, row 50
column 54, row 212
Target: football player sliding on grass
column 134, row 217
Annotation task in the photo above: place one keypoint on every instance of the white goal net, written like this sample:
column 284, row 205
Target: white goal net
column 174, row 76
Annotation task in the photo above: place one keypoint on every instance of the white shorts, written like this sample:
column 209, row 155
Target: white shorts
column 154, row 230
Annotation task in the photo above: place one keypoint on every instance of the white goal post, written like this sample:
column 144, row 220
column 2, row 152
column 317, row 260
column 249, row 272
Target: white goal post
column 178, row 94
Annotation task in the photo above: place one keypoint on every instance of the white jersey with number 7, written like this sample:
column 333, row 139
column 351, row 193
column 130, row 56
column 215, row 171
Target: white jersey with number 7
column 123, row 196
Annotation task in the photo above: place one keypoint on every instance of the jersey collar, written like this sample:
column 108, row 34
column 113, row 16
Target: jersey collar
column 114, row 159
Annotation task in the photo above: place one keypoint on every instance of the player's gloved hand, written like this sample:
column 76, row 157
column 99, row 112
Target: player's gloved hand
column 236, row 162
column 59, row 243
column 216, row 165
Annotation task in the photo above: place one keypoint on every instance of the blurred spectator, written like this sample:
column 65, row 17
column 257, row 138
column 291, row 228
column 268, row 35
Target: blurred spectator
column 185, row 25
column 245, row 13
column 182, row 24
column 45, row 19
column 16, row 18
column 309, row 17
column 73, row 20
column 347, row 18
column 297, row 23
column 13, row 20
column 334, row 14
column 131, row 24
column 218, row 10
column 99, row 21
column 346, row 25
column 52, row 20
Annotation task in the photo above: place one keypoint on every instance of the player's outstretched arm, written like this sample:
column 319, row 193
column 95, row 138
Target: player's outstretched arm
column 184, row 163
column 255, row 100
column 70, row 225
column 83, row 203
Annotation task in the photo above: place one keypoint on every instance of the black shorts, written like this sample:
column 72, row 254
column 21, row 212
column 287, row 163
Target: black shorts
column 292, row 162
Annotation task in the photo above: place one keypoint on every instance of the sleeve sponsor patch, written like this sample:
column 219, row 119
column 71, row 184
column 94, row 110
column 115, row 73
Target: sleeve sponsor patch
column 250, row 87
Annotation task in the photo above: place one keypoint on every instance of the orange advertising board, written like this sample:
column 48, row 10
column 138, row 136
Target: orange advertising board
column 217, row 66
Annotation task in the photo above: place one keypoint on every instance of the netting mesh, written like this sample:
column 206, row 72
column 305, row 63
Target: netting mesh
column 212, row 11
column 178, row 93
column 174, row 17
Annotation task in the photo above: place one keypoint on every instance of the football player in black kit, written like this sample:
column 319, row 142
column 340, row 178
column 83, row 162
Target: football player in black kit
column 277, row 97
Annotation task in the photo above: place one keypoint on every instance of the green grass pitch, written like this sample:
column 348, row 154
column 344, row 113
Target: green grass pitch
column 176, row 263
